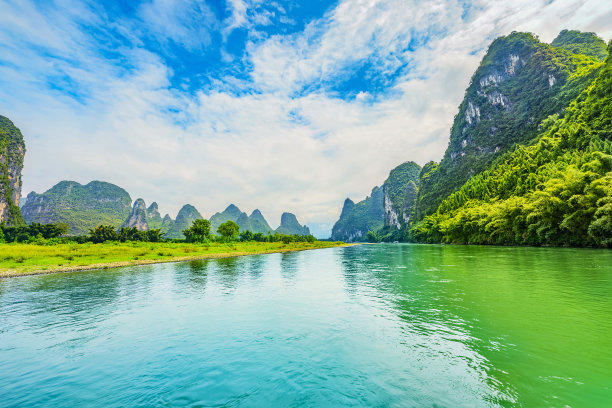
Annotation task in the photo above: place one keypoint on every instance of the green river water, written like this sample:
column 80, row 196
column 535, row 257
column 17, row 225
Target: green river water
column 389, row 325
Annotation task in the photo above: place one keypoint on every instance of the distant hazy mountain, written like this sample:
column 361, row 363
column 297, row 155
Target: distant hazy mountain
column 154, row 219
column 184, row 219
column 81, row 207
column 290, row 225
column 254, row 222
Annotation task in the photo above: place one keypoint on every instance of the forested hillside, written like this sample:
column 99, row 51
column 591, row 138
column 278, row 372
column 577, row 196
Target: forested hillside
column 556, row 191
column 529, row 157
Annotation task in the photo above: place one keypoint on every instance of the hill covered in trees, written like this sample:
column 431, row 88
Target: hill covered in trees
column 529, row 157
column 12, row 151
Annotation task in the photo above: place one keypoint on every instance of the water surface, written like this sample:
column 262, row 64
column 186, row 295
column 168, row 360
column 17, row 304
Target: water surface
column 375, row 325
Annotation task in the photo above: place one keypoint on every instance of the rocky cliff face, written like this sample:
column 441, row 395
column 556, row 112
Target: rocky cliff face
column 400, row 193
column 184, row 219
column 290, row 226
column 519, row 82
column 12, row 151
column 138, row 216
column 389, row 207
column 81, row 207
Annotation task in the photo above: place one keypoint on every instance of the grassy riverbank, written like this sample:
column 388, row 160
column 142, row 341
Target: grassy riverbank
column 25, row 259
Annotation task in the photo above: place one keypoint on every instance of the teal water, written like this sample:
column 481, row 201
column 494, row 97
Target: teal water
column 375, row 326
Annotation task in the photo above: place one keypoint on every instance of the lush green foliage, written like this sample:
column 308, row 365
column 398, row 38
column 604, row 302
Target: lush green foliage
column 557, row 191
column 577, row 42
column 228, row 231
column 519, row 83
column 198, row 232
column 32, row 232
column 16, row 259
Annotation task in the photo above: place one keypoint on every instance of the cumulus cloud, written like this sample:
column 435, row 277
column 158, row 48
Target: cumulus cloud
column 100, row 104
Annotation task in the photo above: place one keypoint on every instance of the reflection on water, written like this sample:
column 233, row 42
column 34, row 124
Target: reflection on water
column 373, row 325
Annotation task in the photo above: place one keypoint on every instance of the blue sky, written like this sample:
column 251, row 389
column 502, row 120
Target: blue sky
column 276, row 105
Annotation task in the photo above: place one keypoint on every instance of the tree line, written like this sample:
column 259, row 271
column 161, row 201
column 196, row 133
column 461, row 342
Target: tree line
column 198, row 232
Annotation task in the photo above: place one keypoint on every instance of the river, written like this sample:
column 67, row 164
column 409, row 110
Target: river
column 389, row 325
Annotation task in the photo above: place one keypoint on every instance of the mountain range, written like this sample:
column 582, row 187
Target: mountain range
column 83, row 207
column 528, row 161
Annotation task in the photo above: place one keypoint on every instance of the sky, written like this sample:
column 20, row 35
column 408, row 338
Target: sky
column 276, row 105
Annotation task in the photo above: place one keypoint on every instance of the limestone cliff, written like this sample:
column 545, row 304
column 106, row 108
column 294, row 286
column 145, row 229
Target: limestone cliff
column 138, row 216
column 387, row 209
column 12, row 151
column 520, row 82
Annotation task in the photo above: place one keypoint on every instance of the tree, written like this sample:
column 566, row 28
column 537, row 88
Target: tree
column 372, row 236
column 154, row 235
column 247, row 236
column 228, row 231
column 198, row 232
column 103, row 233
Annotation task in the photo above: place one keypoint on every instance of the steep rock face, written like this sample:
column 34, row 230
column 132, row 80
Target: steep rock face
column 184, row 219
column 138, row 216
column 154, row 219
column 357, row 219
column 289, row 225
column 554, row 191
column 519, row 82
column 81, row 207
column 400, row 193
column 12, row 151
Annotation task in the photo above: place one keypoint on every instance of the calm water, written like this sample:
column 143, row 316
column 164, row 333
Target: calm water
column 376, row 325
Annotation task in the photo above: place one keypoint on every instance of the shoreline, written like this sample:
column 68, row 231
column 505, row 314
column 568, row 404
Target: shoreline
column 136, row 262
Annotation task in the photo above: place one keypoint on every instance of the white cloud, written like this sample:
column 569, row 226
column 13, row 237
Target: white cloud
column 269, row 149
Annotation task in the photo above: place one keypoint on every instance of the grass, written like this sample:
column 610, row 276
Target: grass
column 26, row 259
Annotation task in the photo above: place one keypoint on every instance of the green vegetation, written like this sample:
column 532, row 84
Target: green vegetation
column 18, row 259
column 40, row 247
column 529, row 160
column 519, row 83
column 198, row 232
column 556, row 191
column 228, row 231
column 577, row 42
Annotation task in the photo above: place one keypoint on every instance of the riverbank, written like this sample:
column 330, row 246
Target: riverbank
column 31, row 259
